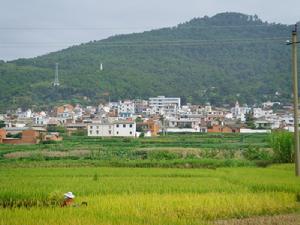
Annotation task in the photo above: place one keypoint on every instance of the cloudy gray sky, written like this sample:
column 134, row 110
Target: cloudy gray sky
column 30, row 28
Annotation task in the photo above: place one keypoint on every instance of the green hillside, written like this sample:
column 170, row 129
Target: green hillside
column 221, row 59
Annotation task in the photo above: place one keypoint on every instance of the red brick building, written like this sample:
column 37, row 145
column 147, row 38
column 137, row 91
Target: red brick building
column 29, row 136
column 223, row 129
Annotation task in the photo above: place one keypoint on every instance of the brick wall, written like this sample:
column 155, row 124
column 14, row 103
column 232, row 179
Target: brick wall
column 2, row 135
column 30, row 137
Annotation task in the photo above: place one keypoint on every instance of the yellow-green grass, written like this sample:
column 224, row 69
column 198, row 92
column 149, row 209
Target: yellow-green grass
column 155, row 209
column 147, row 196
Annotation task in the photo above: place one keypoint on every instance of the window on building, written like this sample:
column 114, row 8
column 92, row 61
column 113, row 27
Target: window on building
column 97, row 131
column 117, row 132
column 117, row 125
column 130, row 125
column 91, row 127
column 130, row 132
column 124, row 125
column 91, row 132
column 109, row 131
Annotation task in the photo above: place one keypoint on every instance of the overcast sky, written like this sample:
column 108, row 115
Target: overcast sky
column 30, row 28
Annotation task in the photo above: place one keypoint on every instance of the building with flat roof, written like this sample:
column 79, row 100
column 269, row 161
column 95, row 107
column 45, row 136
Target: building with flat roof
column 162, row 104
column 114, row 129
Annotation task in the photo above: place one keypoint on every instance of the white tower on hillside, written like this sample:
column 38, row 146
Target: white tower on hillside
column 56, row 81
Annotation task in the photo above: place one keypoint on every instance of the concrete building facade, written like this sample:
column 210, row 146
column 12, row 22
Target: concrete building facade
column 115, row 129
column 162, row 103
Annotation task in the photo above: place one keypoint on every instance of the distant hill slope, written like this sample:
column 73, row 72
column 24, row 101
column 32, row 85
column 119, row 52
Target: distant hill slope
column 220, row 59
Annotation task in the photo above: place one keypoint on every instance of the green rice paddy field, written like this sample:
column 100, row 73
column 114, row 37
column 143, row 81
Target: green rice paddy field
column 144, row 195
column 176, row 179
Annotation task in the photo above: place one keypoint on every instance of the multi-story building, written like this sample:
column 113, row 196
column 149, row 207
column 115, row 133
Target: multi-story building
column 40, row 118
column 114, row 129
column 163, row 104
column 149, row 126
column 141, row 106
column 259, row 112
column 126, row 109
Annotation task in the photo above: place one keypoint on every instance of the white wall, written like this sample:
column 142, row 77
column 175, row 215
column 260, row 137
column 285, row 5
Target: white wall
column 252, row 131
column 124, row 130
column 112, row 130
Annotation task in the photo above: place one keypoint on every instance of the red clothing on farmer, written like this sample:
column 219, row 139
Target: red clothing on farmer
column 68, row 199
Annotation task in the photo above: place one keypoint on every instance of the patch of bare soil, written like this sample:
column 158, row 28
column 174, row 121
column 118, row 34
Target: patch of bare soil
column 290, row 219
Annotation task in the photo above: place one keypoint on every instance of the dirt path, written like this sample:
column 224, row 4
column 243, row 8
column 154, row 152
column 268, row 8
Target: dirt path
column 290, row 219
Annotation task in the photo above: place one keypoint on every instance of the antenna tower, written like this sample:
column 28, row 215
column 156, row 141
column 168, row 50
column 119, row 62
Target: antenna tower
column 56, row 81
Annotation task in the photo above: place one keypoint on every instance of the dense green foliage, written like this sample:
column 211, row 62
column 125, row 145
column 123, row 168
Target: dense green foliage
column 221, row 59
column 283, row 146
column 184, row 150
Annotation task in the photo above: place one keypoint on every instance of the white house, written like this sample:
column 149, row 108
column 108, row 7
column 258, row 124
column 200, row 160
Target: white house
column 269, row 104
column 259, row 112
column 78, row 111
column 240, row 112
column 24, row 114
column 114, row 129
column 126, row 109
column 40, row 118
column 183, row 123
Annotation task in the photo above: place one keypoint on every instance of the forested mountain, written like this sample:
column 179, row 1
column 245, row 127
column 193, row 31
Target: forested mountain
column 219, row 59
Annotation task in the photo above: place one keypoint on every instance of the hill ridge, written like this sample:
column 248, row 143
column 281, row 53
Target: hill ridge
column 168, row 61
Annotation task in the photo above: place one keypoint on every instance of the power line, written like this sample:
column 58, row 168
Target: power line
column 181, row 26
column 144, row 43
column 75, row 28
column 163, row 41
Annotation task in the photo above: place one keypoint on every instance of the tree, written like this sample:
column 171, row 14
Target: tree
column 250, row 120
column 282, row 145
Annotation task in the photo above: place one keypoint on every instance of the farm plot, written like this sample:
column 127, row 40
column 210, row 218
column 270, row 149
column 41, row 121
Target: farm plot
column 145, row 195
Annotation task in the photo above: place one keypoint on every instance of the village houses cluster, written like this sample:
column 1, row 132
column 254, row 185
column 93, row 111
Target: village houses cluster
column 135, row 118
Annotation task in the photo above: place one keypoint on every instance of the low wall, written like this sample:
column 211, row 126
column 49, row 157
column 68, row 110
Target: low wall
column 252, row 131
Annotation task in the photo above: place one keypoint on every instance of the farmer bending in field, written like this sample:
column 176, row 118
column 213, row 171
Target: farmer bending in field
column 68, row 199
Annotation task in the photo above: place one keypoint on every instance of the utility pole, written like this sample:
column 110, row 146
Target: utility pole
column 295, row 93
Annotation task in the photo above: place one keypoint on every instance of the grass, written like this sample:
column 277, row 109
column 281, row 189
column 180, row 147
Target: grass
column 155, row 209
column 289, row 219
column 145, row 195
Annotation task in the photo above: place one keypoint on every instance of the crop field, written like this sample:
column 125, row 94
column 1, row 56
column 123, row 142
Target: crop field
column 29, row 195
column 174, row 179
column 184, row 150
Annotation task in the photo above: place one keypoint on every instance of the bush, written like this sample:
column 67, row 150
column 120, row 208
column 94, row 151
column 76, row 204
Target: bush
column 255, row 153
column 140, row 154
column 80, row 133
column 263, row 163
column 2, row 124
column 18, row 135
column 162, row 155
column 48, row 142
column 59, row 129
column 282, row 144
